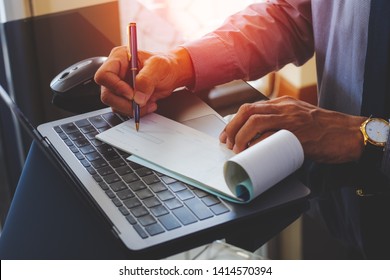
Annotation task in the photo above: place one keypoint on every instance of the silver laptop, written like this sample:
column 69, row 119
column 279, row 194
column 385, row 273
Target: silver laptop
column 145, row 208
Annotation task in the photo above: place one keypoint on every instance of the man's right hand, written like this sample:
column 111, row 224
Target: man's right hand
column 159, row 75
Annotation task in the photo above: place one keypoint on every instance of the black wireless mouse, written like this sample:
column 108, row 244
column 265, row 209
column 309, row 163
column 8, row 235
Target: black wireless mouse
column 75, row 90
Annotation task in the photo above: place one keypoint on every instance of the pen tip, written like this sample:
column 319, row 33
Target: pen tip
column 137, row 126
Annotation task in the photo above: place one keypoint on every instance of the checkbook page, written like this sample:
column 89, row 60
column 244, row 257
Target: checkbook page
column 200, row 160
column 174, row 147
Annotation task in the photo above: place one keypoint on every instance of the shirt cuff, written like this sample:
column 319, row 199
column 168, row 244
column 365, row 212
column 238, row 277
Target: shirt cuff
column 212, row 62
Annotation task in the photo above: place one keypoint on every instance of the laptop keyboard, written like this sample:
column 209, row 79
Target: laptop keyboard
column 151, row 202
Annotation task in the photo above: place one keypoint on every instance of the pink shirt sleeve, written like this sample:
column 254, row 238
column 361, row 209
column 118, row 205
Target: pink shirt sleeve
column 262, row 38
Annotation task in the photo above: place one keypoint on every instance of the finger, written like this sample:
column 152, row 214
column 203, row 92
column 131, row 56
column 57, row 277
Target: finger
column 117, row 102
column 257, row 126
column 223, row 137
column 113, row 73
column 260, row 138
column 253, row 127
column 229, row 144
column 155, row 75
column 117, row 63
column 242, row 116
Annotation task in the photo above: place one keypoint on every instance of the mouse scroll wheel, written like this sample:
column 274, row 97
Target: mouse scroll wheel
column 64, row 75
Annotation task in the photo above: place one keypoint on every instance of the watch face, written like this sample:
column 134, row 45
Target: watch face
column 377, row 130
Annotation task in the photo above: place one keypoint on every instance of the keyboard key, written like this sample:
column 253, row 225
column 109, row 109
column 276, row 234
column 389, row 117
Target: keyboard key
column 110, row 156
column 142, row 172
column 118, row 186
column 93, row 156
column 68, row 142
column 131, row 219
column 111, row 178
column 158, row 187
column 105, row 148
column 117, row 202
column 82, row 123
column 151, row 202
column 104, row 171
column 87, row 149
column 177, row 186
column 99, row 163
column 134, row 165
column 144, row 193
column 74, row 149
column 165, row 195
column 98, row 122
column 137, row 185
column 76, row 136
column 147, row 220
column 168, row 180
column 123, row 170
column 198, row 208
column 85, row 163
column 173, row 203
column 124, row 210
column 117, row 163
column 123, row 154
column 79, row 156
column 110, row 194
column 184, row 215
column 112, row 119
column 104, row 186
column 199, row 193
column 69, row 128
column 169, row 222
column 140, row 231
column 210, row 200
column 125, row 194
column 102, row 129
column 81, row 142
column 131, row 177
column 57, row 129
column 96, row 142
column 132, row 202
column 91, row 135
column 154, row 229
column 63, row 135
column 139, row 211
column 151, row 179
column 91, row 170
column 97, row 178
column 219, row 209
column 87, row 129
column 185, row 194
column 159, row 210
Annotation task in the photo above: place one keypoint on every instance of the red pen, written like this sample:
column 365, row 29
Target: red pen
column 132, row 44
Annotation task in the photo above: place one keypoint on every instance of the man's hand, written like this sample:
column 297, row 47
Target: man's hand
column 326, row 136
column 159, row 75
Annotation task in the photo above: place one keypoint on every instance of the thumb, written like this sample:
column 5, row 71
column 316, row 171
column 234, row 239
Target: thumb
column 144, row 89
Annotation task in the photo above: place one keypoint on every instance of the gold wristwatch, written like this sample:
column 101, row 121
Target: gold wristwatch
column 375, row 132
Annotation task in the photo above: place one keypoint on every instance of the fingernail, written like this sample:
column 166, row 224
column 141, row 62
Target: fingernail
column 222, row 137
column 140, row 98
column 229, row 144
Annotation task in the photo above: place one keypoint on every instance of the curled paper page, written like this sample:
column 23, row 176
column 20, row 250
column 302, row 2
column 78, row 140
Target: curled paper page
column 202, row 161
column 255, row 170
